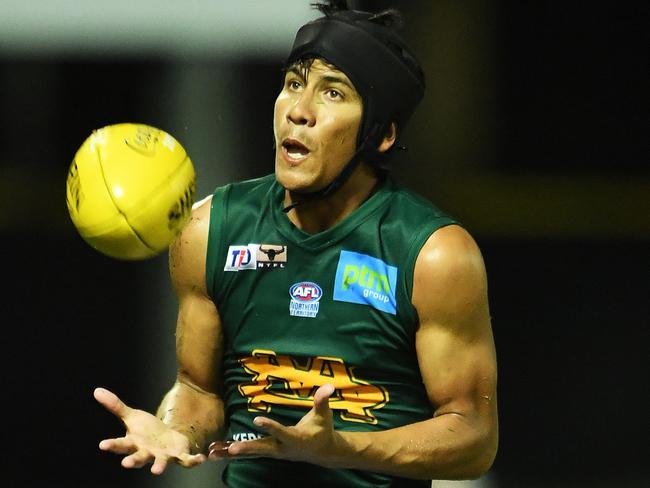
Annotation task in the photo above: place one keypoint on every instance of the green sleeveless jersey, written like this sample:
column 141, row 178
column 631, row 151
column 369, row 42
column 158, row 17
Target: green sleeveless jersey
column 302, row 310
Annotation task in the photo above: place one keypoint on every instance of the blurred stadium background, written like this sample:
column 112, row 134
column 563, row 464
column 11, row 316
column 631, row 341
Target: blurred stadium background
column 531, row 133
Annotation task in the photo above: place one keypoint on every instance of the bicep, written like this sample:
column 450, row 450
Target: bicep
column 454, row 342
column 199, row 343
column 459, row 375
column 198, row 328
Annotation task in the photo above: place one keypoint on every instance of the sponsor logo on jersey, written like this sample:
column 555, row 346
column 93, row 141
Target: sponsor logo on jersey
column 271, row 256
column 305, row 296
column 282, row 380
column 241, row 257
column 245, row 436
column 366, row 280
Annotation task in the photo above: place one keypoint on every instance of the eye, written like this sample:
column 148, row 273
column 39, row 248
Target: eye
column 294, row 84
column 333, row 94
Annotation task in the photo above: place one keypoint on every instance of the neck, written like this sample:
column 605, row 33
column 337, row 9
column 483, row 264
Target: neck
column 317, row 215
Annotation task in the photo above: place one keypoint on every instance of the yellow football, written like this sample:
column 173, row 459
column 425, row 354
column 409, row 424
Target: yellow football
column 130, row 189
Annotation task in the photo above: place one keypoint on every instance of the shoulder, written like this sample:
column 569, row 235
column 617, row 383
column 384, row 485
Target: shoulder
column 187, row 253
column 450, row 248
column 450, row 274
column 414, row 209
column 248, row 187
column 232, row 198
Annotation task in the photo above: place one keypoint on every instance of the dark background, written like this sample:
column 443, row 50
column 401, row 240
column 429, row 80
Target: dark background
column 531, row 133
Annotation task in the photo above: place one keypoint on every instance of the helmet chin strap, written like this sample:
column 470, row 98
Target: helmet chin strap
column 342, row 177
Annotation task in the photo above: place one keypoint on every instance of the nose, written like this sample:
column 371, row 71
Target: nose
column 301, row 111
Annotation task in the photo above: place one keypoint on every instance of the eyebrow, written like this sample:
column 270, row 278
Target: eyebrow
column 326, row 78
column 337, row 79
column 294, row 69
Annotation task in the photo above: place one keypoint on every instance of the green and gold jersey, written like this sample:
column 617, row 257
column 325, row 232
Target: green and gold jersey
column 301, row 310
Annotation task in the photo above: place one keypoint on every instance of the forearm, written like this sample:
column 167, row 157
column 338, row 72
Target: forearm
column 193, row 412
column 445, row 447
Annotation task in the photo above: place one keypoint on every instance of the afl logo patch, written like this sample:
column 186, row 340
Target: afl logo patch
column 305, row 296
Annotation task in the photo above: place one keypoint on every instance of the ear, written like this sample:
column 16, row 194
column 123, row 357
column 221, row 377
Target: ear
column 389, row 139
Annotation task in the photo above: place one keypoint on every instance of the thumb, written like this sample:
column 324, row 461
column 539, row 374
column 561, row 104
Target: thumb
column 321, row 399
column 111, row 402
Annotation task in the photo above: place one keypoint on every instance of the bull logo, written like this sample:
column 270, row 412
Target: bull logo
column 271, row 253
column 271, row 256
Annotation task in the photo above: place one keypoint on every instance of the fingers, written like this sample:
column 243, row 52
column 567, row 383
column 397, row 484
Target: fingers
column 121, row 445
column 138, row 459
column 159, row 466
column 274, row 428
column 265, row 447
column 111, row 402
column 218, row 449
column 160, row 462
column 186, row 460
column 321, row 399
column 190, row 460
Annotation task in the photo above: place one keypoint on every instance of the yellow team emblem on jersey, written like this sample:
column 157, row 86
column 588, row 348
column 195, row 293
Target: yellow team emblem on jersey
column 281, row 380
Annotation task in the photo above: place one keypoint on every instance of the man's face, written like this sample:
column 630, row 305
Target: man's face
column 316, row 121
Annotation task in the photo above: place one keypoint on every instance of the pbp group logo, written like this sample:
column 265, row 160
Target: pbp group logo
column 366, row 280
column 305, row 297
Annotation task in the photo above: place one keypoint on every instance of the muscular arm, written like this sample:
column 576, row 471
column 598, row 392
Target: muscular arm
column 457, row 360
column 193, row 406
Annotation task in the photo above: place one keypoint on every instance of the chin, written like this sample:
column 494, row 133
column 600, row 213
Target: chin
column 295, row 180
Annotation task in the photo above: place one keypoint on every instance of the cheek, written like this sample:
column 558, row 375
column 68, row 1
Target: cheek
column 346, row 134
column 339, row 128
column 278, row 110
column 275, row 121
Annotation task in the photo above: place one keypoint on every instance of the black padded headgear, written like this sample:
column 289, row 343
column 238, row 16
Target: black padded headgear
column 380, row 65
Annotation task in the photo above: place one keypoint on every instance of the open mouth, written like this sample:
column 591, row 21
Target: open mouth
column 294, row 149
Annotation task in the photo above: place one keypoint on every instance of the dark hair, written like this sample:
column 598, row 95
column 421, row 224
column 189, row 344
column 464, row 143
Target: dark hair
column 330, row 7
column 388, row 18
column 368, row 48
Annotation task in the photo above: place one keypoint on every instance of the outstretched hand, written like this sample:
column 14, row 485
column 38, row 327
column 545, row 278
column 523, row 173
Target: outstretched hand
column 312, row 439
column 147, row 439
